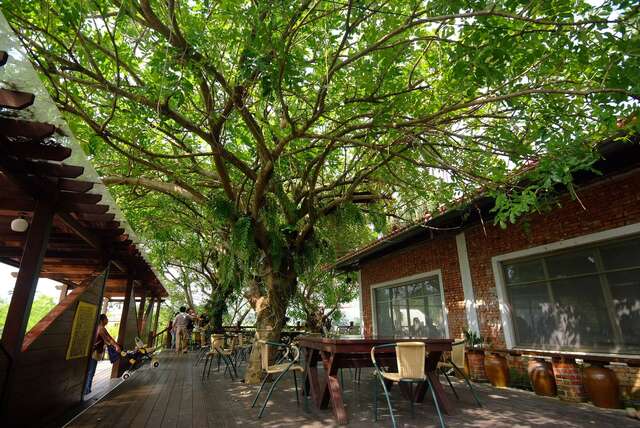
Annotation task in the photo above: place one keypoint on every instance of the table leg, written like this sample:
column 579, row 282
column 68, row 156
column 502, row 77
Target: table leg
column 431, row 366
column 332, row 388
column 311, row 366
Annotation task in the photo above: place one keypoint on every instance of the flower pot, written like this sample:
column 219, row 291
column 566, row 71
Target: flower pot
column 602, row 387
column 541, row 376
column 475, row 362
column 497, row 370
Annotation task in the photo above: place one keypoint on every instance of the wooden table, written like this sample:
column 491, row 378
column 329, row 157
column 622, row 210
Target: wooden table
column 348, row 351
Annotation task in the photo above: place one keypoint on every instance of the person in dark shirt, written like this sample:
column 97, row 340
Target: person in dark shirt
column 102, row 339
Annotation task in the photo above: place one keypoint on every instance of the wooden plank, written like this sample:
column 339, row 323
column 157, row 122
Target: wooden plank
column 42, row 168
column 22, row 128
column 84, row 208
column 165, row 396
column 15, row 204
column 78, row 186
column 170, row 417
column 95, row 217
column 35, row 150
column 79, row 198
column 128, row 298
column 15, row 99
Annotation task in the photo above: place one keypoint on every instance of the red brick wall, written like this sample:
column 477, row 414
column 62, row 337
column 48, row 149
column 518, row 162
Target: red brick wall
column 438, row 253
column 610, row 203
column 567, row 221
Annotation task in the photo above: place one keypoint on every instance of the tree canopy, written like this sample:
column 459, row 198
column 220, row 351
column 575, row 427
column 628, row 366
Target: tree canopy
column 270, row 118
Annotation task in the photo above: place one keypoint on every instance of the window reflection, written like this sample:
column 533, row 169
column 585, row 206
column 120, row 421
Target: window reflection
column 410, row 309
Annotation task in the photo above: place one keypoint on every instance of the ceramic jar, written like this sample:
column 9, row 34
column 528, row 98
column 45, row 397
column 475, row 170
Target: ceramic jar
column 497, row 370
column 541, row 376
column 602, row 386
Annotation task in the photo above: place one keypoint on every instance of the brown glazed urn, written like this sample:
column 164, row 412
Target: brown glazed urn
column 497, row 370
column 602, row 386
column 475, row 363
column 541, row 376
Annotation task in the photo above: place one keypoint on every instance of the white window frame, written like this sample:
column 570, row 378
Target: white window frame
column 398, row 281
column 496, row 264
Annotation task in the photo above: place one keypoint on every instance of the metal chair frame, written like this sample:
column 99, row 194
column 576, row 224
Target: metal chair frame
column 379, row 374
column 292, row 353
column 222, row 356
column 443, row 369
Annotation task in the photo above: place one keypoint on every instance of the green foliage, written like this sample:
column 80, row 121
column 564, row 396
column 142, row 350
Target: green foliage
column 473, row 339
column 42, row 305
column 275, row 136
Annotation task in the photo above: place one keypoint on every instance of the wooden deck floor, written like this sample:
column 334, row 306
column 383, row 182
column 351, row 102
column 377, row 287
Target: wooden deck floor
column 102, row 381
column 173, row 395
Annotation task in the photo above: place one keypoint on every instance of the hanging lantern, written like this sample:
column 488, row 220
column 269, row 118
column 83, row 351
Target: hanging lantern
column 19, row 224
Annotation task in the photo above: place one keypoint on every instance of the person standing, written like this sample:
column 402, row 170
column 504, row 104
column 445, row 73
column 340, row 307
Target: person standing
column 101, row 340
column 180, row 323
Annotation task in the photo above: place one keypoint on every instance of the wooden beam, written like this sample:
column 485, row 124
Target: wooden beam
column 78, row 186
column 153, row 332
column 88, row 236
column 57, row 254
column 27, row 280
column 147, row 319
column 15, row 99
column 17, row 204
column 41, row 168
column 122, row 330
column 36, row 150
column 79, row 198
column 141, row 310
column 25, row 129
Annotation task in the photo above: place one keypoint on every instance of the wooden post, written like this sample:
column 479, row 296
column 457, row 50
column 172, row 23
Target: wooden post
column 141, row 311
column 122, row 330
column 105, row 305
column 25, row 288
column 147, row 317
column 155, row 322
column 63, row 292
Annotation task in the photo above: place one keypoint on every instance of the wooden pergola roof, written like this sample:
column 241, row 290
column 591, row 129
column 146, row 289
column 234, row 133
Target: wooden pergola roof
column 86, row 233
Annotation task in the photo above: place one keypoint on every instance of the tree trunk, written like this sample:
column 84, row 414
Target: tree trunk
column 270, row 316
column 314, row 320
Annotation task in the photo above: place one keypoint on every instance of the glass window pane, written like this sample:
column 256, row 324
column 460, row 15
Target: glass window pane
column 400, row 319
column 399, row 292
column 383, row 294
column 574, row 263
column 625, row 291
column 418, row 317
column 533, row 319
column 524, row 272
column 621, row 255
column 383, row 319
column 581, row 315
column 435, row 317
column 432, row 286
column 416, row 289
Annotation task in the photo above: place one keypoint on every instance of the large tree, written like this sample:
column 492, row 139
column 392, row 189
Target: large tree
column 273, row 115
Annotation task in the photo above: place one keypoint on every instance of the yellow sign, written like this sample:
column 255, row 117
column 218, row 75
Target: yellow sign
column 84, row 322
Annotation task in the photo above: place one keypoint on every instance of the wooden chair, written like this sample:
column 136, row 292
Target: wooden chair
column 410, row 359
column 223, row 354
column 289, row 362
column 454, row 362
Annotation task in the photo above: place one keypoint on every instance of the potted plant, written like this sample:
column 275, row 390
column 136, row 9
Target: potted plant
column 475, row 355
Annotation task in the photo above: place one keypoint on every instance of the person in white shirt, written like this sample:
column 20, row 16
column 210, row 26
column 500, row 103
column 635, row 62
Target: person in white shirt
column 180, row 323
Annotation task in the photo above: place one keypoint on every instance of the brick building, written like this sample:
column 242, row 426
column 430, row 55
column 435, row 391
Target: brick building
column 565, row 280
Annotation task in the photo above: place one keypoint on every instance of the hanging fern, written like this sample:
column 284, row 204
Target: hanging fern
column 243, row 243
